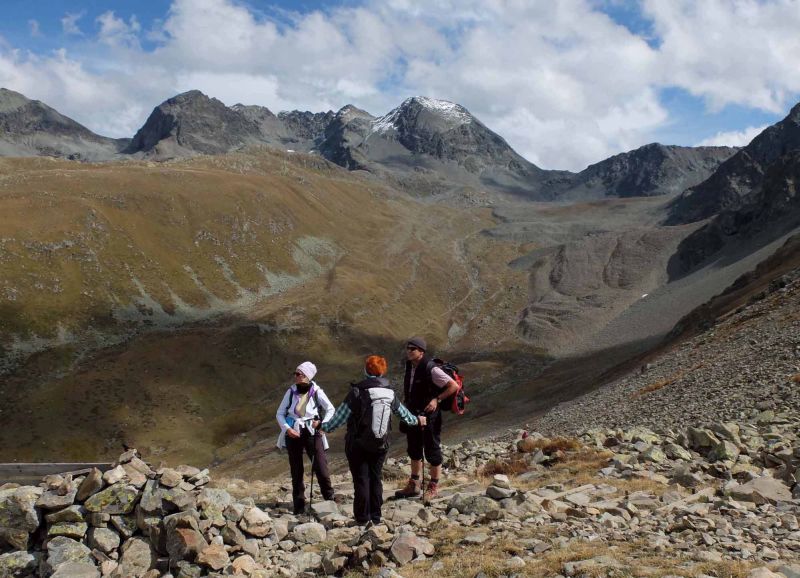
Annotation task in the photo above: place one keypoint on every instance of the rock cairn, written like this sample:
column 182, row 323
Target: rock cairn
column 134, row 521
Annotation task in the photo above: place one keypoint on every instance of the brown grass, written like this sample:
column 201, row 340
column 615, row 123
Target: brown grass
column 510, row 467
column 552, row 445
column 634, row 558
column 664, row 382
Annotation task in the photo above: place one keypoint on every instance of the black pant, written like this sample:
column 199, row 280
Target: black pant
column 426, row 442
column 314, row 447
column 366, row 468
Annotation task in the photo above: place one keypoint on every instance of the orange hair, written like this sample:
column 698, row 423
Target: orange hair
column 376, row 365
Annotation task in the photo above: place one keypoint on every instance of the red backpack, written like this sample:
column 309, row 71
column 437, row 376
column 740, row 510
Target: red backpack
column 457, row 403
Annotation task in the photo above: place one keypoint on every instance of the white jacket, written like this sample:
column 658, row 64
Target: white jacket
column 324, row 410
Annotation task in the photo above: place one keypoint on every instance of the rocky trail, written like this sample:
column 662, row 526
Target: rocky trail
column 721, row 500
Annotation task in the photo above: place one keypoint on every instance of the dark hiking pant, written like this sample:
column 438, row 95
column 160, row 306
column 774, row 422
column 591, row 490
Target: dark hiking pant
column 426, row 442
column 313, row 446
column 366, row 469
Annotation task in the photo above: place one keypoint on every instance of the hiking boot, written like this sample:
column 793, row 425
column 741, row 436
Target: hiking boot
column 411, row 489
column 431, row 492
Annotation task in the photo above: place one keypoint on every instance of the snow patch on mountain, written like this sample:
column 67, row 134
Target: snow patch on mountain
column 453, row 114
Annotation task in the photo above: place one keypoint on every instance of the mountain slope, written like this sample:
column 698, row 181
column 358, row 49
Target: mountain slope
column 752, row 198
column 732, row 185
column 31, row 128
column 258, row 260
column 651, row 170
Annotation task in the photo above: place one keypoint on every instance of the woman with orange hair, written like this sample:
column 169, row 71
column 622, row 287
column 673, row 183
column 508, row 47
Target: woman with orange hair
column 367, row 410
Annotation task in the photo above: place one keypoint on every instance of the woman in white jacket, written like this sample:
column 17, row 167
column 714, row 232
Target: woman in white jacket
column 303, row 409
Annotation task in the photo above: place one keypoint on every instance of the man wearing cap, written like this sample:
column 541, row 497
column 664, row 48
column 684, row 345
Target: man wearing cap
column 425, row 385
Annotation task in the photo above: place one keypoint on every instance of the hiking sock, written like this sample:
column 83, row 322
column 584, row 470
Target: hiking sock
column 415, row 477
column 434, row 481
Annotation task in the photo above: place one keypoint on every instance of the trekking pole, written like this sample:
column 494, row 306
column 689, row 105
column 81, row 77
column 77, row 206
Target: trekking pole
column 422, row 483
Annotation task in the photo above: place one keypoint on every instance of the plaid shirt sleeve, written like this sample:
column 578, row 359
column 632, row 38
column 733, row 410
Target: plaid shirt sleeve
column 403, row 413
column 339, row 418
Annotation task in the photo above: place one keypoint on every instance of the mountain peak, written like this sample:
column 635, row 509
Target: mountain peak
column 416, row 110
column 10, row 100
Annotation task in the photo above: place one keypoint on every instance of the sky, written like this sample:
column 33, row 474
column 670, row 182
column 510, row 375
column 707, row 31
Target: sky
column 566, row 82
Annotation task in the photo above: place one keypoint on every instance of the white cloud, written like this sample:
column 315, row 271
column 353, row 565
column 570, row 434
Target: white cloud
column 116, row 32
column 561, row 81
column 734, row 138
column 33, row 25
column 730, row 52
column 69, row 23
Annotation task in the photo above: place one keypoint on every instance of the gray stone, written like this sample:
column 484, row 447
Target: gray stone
column 406, row 547
column 472, row 504
column 70, row 514
column 61, row 550
column 325, row 508
column 501, row 481
column 91, row 484
column 498, row 493
column 676, row 452
column 212, row 503
column 762, row 490
column 103, row 539
column 117, row 499
column 18, row 515
column 170, row 478
column 114, row 475
column 77, row 570
column 305, row 561
column 53, row 500
column 20, row 564
column 76, row 530
column 309, row 533
column 256, row 522
column 137, row 559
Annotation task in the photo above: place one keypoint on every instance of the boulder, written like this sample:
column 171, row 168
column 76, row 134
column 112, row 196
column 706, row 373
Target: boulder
column 256, row 522
column 117, row 499
column 76, row 530
column 103, row 539
column 54, row 500
column 91, row 484
column 137, row 559
column 61, row 550
column 406, row 547
column 762, row 491
column 310, row 533
column 214, row 556
column 19, row 564
column 473, row 504
column 18, row 515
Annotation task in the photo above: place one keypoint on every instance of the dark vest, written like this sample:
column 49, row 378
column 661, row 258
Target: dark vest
column 418, row 394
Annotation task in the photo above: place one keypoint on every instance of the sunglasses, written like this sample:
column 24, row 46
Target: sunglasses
column 299, row 374
column 412, row 348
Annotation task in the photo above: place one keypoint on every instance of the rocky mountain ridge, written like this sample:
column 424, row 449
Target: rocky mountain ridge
column 31, row 128
column 426, row 145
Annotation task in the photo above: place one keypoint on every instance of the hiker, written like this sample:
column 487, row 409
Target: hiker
column 300, row 420
column 424, row 386
column 366, row 409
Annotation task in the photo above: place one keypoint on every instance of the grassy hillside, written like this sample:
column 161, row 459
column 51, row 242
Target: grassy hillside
column 164, row 305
